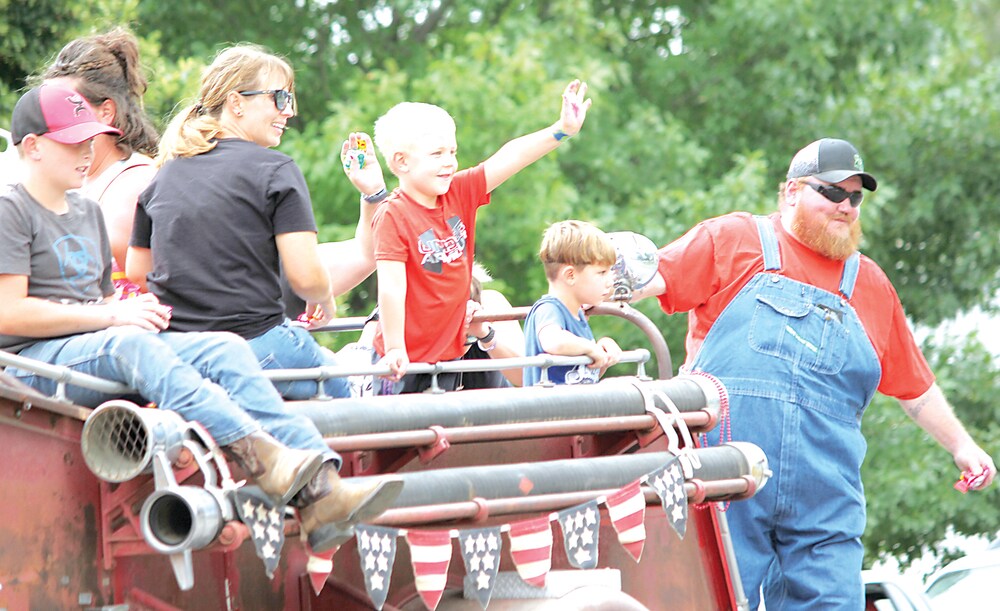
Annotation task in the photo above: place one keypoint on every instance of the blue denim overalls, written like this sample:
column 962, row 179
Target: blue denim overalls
column 800, row 371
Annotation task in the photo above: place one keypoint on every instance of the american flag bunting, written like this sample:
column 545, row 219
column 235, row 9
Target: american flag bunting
column 266, row 523
column 319, row 567
column 430, row 554
column 580, row 528
column 627, row 510
column 668, row 481
column 377, row 551
column 531, row 549
column 481, row 553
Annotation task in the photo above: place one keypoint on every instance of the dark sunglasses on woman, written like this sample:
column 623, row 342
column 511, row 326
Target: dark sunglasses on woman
column 282, row 98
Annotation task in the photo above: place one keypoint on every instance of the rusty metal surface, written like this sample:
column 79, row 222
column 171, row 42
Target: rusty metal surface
column 49, row 508
column 51, row 536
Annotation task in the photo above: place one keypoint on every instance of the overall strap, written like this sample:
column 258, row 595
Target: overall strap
column 850, row 276
column 768, row 243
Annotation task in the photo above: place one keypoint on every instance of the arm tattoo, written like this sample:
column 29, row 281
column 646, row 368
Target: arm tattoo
column 914, row 410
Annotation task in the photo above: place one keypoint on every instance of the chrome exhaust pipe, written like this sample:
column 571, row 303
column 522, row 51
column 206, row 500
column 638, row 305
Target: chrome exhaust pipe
column 120, row 439
column 181, row 518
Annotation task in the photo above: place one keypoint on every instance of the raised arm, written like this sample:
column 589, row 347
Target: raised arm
column 351, row 261
column 932, row 413
column 522, row 152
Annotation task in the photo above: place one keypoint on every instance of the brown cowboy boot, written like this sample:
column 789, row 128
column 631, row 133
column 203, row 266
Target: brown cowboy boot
column 280, row 471
column 331, row 506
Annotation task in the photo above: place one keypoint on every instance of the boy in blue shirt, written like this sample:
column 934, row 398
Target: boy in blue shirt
column 578, row 258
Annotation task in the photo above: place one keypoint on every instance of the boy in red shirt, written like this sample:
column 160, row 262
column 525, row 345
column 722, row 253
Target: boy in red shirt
column 424, row 233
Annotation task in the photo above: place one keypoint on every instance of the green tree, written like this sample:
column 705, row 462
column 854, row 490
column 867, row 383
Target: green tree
column 698, row 106
column 26, row 29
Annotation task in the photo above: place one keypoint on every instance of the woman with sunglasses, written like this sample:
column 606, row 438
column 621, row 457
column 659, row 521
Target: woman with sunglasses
column 226, row 212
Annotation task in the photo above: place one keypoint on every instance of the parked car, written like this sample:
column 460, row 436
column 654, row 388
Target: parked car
column 887, row 592
column 970, row 583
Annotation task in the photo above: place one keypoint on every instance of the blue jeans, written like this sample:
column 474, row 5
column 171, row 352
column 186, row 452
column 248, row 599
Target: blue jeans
column 211, row 378
column 288, row 346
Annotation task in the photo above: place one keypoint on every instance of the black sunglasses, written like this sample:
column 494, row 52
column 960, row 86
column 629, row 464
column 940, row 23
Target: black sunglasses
column 837, row 194
column 282, row 98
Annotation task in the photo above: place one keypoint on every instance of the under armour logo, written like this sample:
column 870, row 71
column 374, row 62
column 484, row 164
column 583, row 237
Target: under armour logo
column 78, row 104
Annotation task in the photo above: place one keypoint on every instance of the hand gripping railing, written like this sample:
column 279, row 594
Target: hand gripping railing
column 543, row 361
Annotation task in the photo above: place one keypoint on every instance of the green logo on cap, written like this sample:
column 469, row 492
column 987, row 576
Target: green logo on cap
column 858, row 164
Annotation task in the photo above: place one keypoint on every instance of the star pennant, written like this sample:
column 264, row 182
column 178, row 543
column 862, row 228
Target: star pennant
column 668, row 481
column 627, row 509
column 580, row 527
column 430, row 553
column 531, row 549
column 481, row 552
column 266, row 523
column 377, row 550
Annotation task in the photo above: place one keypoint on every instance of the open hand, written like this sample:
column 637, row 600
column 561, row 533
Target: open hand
column 574, row 108
column 361, row 163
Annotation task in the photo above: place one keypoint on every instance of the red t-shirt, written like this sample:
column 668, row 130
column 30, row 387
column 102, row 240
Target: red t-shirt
column 437, row 244
column 707, row 267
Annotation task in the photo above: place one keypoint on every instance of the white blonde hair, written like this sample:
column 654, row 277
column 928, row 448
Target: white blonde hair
column 480, row 273
column 405, row 123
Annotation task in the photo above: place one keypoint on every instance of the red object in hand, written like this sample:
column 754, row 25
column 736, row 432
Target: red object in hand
column 969, row 480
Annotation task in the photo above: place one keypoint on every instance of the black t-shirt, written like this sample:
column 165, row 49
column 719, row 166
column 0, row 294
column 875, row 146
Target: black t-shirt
column 211, row 221
column 481, row 379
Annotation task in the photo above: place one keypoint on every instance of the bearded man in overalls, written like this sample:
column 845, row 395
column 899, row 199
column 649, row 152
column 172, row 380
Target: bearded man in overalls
column 802, row 330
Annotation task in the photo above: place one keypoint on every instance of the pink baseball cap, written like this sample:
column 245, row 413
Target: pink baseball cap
column 58, row 113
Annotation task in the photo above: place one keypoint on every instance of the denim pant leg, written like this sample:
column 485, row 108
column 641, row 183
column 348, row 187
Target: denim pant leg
column 227, row 360
column 145, row 362
column 288, row 346
column 205, row 377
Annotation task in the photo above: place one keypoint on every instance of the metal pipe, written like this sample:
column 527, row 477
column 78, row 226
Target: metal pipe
column 64, row 375
column 695, row 421
column 481, row 508
column 621, row 310
column 660, row 349
column 491, row 482
column 614, row 397
column 542, row 360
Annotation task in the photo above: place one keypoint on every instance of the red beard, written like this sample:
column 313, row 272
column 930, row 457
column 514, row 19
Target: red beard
column 813, row 230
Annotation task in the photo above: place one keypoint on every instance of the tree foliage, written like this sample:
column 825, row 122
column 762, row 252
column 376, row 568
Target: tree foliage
column 698, row 106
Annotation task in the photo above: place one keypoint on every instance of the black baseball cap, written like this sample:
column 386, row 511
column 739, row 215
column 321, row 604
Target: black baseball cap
column 831, row 160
